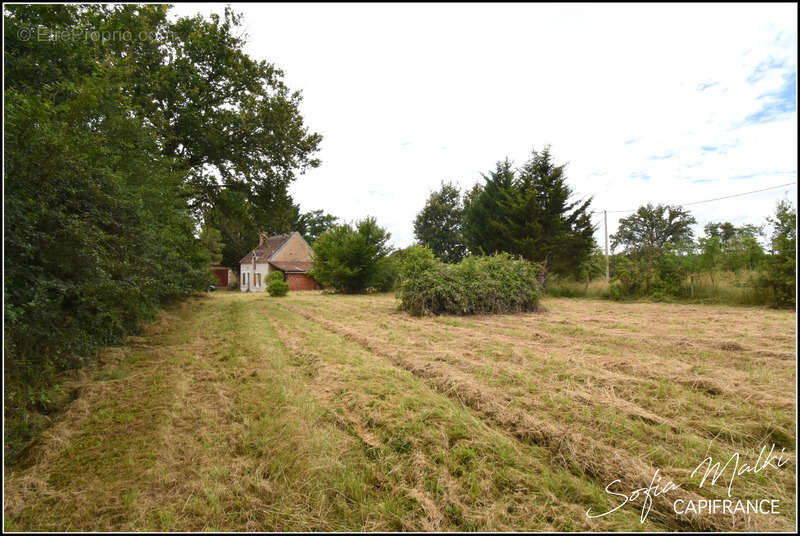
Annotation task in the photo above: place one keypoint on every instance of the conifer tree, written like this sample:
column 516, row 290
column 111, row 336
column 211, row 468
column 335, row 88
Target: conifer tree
column 530, row 212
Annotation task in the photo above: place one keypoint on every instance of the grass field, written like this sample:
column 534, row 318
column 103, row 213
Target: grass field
column 325, row 412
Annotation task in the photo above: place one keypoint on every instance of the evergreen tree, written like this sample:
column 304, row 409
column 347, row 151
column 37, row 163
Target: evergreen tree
column 531, row 213
column 483, row 213
column 439, row 224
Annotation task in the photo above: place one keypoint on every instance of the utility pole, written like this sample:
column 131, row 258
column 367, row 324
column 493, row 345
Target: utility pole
column 605, row 227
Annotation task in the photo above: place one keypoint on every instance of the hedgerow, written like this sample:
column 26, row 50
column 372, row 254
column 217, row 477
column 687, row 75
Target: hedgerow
column 476, row 285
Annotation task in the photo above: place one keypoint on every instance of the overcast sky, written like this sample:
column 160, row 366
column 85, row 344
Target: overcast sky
column 658, row 103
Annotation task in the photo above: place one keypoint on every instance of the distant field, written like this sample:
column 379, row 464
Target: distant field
column 322, row 412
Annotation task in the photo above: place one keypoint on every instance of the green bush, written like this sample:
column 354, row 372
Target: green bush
column 276, row 275
column 615, row 291
column 476, row 285
column 278, row 288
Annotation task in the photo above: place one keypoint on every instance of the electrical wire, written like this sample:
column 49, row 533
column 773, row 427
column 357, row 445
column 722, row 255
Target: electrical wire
column 707, row 200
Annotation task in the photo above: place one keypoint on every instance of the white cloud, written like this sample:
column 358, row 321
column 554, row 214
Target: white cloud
column 390, row 85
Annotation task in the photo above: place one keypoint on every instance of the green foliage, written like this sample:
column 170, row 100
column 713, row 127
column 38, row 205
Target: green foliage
column 780, row 268
column 347, row 257
column 530, row 213
column 116, row 150
column 277, row 287
column 438, row 225
column 476, row 285
column 646, row 236
column 672, row 269
column 211, row 239
column 711, row 255
column 416, row 260
column 386, row 276
column 651, row 228
column 312, row 224
column 629, row 277
column 727, row 247
column 275, row 275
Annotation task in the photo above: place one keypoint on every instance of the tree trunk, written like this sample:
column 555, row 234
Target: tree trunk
column 542, row 275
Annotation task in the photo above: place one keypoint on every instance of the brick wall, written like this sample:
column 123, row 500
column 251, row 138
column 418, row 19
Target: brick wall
column 301, row 282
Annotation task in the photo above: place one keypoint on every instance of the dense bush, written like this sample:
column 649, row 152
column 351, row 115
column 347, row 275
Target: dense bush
column 278, row 287
column 388, row 272
column 114, row 154
column 476, row 285
column 275, row 275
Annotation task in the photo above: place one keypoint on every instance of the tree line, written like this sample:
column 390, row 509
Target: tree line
column 660, row 256
column 132, row 161
column 530, row 212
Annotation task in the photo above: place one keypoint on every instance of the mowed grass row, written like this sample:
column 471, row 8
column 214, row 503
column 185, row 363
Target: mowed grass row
column 232, row 413
column 611, row 390
column 211, row 427
column 314, row 412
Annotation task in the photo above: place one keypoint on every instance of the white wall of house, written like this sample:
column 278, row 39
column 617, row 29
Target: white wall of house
column 253, row 280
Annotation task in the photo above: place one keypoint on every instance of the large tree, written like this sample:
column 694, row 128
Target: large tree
column 439, row 224
column 482, row 210
column 124, row 131
column 312, row 224
column 222, row 119
column 651, row 228
column 348, row 257
column 530, row 212
column 650, row 232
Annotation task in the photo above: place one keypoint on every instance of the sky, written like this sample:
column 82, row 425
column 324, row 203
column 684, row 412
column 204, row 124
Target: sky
column 661, row 103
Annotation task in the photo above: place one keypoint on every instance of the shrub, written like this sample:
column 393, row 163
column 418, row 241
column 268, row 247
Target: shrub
column 276, row 275
column 476, row 285
column 386, row 275
column 615, row 291
column 278, row 288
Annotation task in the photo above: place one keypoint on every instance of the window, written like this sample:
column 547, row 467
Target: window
column 242, row 279
column 258, row 279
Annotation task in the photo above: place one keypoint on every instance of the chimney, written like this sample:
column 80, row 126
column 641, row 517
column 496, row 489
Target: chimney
column 261, row 237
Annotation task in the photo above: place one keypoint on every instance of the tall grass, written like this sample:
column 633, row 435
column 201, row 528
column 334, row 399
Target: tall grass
column 723, row 288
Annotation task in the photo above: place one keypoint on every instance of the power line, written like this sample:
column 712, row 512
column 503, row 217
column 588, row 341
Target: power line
column 746, row 193
column 605, row 212
column 708, row 200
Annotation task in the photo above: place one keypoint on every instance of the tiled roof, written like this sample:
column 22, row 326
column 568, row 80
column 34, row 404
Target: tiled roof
column 292, row 266
column 267, row 249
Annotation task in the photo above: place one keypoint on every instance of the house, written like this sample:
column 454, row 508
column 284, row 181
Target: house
column 288, row 253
